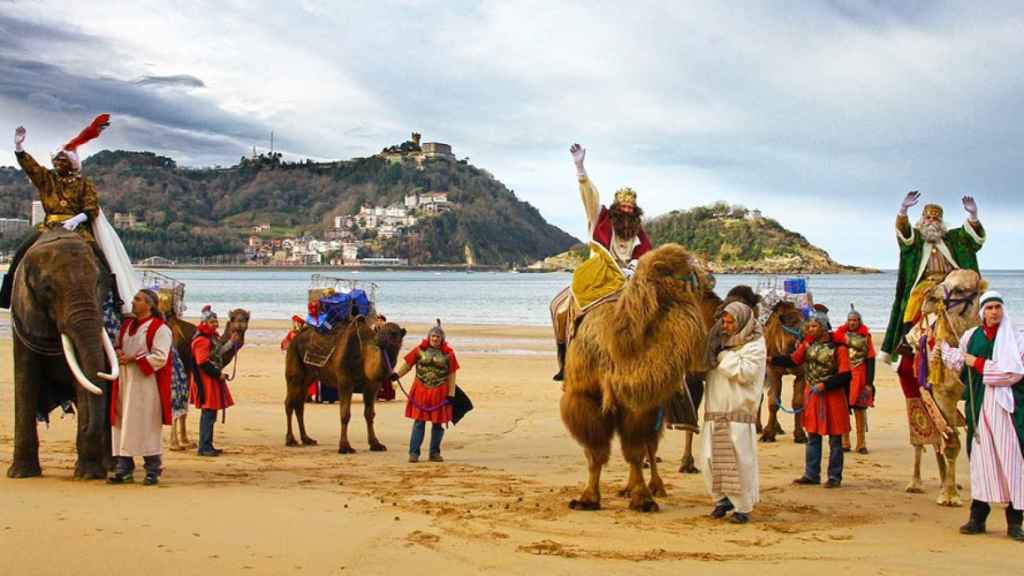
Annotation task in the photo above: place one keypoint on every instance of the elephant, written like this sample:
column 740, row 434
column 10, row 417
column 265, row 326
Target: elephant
column 61, row 351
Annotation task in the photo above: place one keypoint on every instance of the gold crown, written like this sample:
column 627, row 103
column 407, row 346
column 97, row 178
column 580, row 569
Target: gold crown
column 933, row 211
column 625, row 195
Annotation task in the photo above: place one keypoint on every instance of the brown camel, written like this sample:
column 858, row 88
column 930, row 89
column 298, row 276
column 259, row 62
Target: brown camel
column 781, row 333
column 183, row 333
column 952, row 307
column 361, row 360
column 710, row 305
column 626, row 360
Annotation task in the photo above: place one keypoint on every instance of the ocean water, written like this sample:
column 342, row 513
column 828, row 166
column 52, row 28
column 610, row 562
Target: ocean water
column 510, row 298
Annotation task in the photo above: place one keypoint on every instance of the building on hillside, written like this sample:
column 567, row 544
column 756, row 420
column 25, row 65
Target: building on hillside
column 261, row 228
column 387, row 231
column 384, row 261
column 13, row 226
column 126, row 221
column 412, row 201
column 350, row 252
column 38, row 213
column 432, row 150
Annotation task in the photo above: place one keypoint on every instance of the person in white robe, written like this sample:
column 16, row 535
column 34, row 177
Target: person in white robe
column 139, row 406
column 991, row 360
column 732, row 396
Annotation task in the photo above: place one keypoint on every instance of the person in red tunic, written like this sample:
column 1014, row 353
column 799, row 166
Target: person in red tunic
column 432, row 391
column 826, row 410
column 857, row 339
column 209, row 388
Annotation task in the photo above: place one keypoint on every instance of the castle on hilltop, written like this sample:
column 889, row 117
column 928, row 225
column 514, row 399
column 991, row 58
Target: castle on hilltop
column 413, row 150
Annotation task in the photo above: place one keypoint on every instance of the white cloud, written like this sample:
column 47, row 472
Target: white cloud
column 822, row 114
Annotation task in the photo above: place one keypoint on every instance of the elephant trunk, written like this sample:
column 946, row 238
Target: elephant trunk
column 82, row 335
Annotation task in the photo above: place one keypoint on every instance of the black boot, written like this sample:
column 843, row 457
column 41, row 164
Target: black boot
column 1014, row 518
column 561, row 363
column 5, row 291
column 979, row 513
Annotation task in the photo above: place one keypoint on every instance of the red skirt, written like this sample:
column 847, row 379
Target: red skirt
column 861, row 395
column 428, row 404
column 826, row 414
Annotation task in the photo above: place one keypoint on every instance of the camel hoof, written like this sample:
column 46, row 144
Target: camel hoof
column 584, row 505
column 290, row 442
column 949, row 500
column 914, row 488
column 90, row 471
column 646, row 505
column 346, row 450
column 308, row 441
column 378, row 448
column 689, row 469
column 800, row 439
column 24, row 470
column 624, row 493
column 658, row 491
column 766, row 438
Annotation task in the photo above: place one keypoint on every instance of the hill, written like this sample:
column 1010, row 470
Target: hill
column 205, row 212
column 731, row 239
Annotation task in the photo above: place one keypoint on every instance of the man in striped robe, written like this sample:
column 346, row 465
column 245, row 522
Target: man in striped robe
column 991, row 360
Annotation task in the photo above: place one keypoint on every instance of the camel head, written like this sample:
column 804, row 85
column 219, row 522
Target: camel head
column 956, row 300
column 672, row 273
column 782, row 330
column 389, row 338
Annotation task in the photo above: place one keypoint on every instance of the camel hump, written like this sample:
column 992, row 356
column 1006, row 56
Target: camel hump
column 58, row 234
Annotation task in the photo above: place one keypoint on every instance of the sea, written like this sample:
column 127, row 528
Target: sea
column 509, row 298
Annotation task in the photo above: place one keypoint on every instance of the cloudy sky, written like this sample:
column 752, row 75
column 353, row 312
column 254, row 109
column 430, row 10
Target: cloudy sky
column 821, row 114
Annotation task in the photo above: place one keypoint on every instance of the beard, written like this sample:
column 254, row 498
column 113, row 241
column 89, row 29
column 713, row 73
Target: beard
column 626, row 225
column 932, row 232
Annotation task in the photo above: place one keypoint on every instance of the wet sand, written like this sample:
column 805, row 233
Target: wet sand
column 498, row 504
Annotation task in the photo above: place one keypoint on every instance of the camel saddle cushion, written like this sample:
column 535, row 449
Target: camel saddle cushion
column 321, row 347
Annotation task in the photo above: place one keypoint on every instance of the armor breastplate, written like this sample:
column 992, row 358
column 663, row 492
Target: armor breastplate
column 858, row 345
column 432, row 368
column 821, row 362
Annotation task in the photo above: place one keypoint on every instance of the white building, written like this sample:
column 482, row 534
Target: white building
column 38, row 214
column 13, row 225
column 350, row 251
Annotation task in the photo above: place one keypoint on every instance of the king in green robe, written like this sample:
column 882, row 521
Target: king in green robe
column 928, row 251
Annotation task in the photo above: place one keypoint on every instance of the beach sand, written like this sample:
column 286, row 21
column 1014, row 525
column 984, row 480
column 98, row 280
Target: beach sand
column 497, row 505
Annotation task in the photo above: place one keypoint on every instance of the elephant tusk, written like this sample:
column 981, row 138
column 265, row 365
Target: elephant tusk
column 115, row 368
column 76, row 370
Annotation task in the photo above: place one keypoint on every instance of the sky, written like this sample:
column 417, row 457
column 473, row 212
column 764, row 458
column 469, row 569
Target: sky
column 820, row 114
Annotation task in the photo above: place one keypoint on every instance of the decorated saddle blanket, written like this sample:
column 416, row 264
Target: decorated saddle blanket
column 319, row 350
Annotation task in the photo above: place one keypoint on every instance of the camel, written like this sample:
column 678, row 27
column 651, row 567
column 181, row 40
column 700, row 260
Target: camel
column 626, row 360
column 183, row 333
column 710, row 305
column 950, row 310
column 782, row 334
column 359, row 359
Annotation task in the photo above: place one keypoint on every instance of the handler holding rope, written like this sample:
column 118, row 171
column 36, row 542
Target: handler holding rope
column 432, row 391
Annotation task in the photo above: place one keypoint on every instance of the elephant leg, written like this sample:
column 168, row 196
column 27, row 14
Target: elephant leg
column 27, row 374
column 369, row 413
column 345, row 407
column 93, row 459
column 915, row 483
column 593, row 429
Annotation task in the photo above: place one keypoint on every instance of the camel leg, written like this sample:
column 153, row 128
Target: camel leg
column 915, row 483
column 345, row 407
column 950, row 495
column 183, row 437
column 289, row 409
column 300, row 416
column 657, row 485
column 688, row 465
column 799, row 436
column 593, row 429
column 774, row 392
column 369, row 413
column 636, row 433
column 861, row 417
column 175, row 444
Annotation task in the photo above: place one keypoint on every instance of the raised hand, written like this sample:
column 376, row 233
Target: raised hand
column 971, row 206
column 579, row 154
column 911, row 199
column 19, row 137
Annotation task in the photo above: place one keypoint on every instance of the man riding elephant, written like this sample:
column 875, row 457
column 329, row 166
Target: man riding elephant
column 617, row 241
column 70, row 201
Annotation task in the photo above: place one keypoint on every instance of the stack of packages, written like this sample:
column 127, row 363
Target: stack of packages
column 792, row 290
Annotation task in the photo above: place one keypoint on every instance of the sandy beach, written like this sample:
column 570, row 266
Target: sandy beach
column 498, row 505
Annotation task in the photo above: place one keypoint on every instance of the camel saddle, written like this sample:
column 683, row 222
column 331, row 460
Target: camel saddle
column 321, row 347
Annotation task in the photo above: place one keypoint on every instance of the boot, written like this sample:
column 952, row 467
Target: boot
column 5, row 291
column 561, row 363
column 979, row 513
column 1014, row 519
